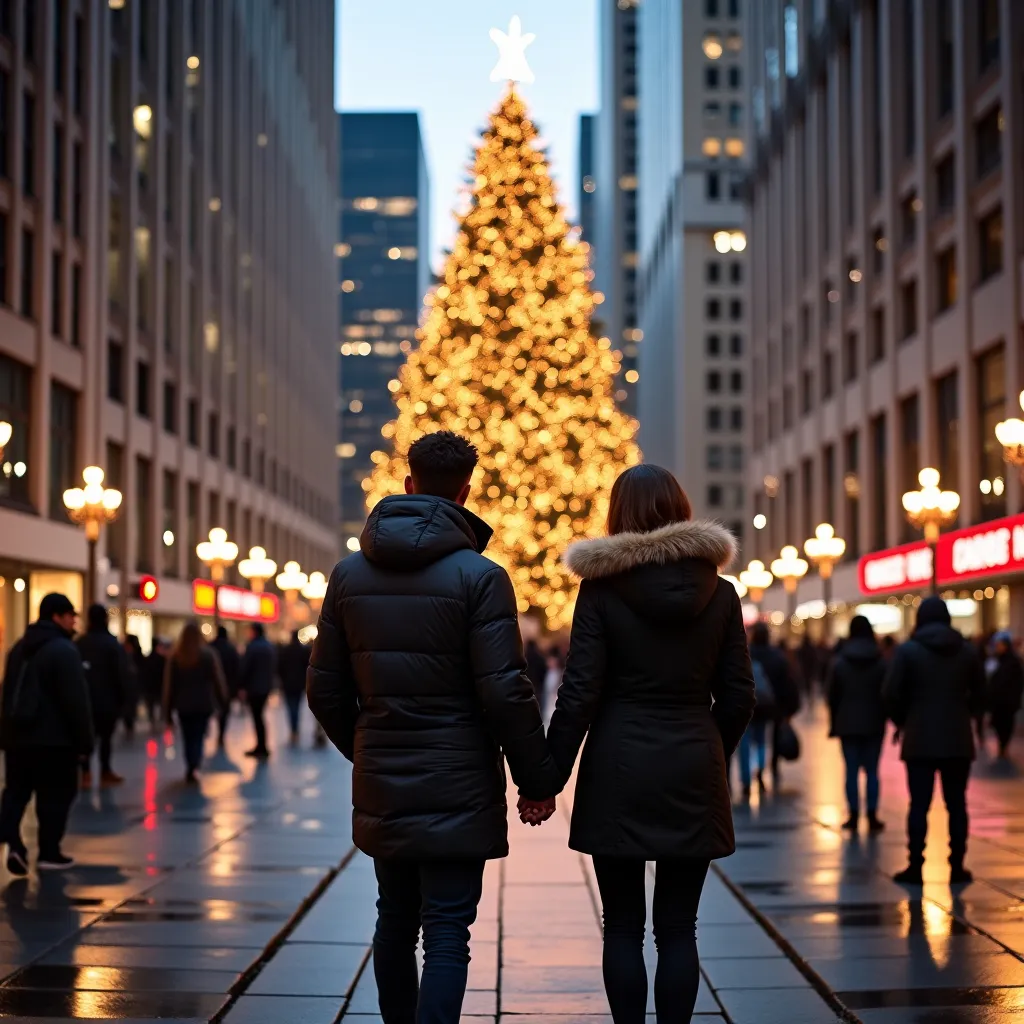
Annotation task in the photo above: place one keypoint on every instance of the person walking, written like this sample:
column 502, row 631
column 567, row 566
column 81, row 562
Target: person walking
column 1005, row 689
column 45, row 729
column 256, row 680
column 107, row 672
column 857, row 716
column 231, row 664
column 659, row 677
column 785, row 692
column 153, row 680
column 933, row 691
column 194, row 689
column 754, row 740
column 294, row 661
column 418, row 677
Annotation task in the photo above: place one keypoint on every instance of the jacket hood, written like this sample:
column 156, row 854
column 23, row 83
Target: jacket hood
column 42, row 632
column 410, row 531
column 939, row 637
column 665, row 575
column 862, row 650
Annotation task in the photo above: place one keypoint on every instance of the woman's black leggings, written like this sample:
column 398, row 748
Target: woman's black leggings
column 677, row 890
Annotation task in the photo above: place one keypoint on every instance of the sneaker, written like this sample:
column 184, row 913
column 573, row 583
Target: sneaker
column 17, row 861
column 57, row 862
column 909, row 876
column 111, row 779
column 960, row 875
column 875, row 825
column 261, row 755
column 850, row 825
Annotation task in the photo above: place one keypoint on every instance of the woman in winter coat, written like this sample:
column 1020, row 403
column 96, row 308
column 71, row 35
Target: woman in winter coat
column 1005, row 689
column 857, row 716
column 659, row 676
column 194, row 687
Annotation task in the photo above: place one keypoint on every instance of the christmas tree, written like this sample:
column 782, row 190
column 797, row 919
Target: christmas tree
column 507, row 357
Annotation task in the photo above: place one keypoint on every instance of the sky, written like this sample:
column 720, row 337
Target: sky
column 436, row 56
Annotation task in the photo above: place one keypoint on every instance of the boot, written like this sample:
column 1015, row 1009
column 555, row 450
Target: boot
column 850, row 825
column 958, row 874
column 911, row 875
column 875, row 825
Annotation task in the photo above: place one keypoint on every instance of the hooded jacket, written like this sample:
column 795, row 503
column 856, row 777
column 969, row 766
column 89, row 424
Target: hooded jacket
column 855, row 684
column 1006, row 684
column 658, row 680
column 935, row 688
column 417, row 675
column 64, row 720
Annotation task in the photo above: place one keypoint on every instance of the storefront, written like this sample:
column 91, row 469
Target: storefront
column 236, row 607
column 21, row 591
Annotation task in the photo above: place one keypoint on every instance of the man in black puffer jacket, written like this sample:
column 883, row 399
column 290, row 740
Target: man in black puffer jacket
column 934, row 690
column 418, row 676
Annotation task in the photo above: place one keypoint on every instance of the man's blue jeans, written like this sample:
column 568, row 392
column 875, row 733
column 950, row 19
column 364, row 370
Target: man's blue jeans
column 861, row 753
column 442, row 898
column 754, row 736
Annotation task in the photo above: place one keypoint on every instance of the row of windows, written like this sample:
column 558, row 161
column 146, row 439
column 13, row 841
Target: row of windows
column 716, row 418
column 714, row 272
column 714, row 309
column 722, row 457
column 714, row 346
column 721, row 496
column 715, row 379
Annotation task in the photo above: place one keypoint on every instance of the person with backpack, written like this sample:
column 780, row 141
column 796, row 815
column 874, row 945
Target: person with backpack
column 785, row 694
column 45, row 728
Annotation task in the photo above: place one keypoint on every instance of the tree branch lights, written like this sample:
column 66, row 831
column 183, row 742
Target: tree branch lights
column 257, row 568
column 507, row 357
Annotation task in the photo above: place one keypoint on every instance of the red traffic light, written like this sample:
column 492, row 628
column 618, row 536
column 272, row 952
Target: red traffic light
column 148, row 589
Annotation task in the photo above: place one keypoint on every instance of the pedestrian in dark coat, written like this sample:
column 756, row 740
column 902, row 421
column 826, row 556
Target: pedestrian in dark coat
column 659, row 677
column 292, row 665
column 231, row 665
column 256, row 680
column 858, row 718
column 45, row 728
column 783, row 682
column 418, row 677
column 934, row 689
column 107, row 670
column 1005, row 689
column 153, row 680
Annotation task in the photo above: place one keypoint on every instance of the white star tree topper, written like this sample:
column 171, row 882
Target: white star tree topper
column 512, row 64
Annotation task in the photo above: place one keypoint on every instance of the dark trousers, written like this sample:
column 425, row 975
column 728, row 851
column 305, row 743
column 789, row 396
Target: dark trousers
column 861, row 754
column 51, row 773
column 954, row 773
column 1003, row 722
column 193, row 734
column 257, row 702
column 293, row 702
column 677, row 890
column 442, row 898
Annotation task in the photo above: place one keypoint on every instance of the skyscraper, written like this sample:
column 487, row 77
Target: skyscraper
column 384, row 272
column 587, row 184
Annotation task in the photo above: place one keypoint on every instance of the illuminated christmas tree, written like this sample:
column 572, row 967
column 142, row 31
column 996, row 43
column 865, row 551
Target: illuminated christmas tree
column 507, row 357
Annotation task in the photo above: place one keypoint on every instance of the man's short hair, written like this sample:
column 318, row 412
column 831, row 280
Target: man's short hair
column 442, row 464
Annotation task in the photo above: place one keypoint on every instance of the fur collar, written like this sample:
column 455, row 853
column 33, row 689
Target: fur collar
column 607, row 556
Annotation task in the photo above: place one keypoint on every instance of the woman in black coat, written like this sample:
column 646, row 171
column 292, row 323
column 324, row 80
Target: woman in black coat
column 1005, row 689
column 858, row 716
column 658, row 674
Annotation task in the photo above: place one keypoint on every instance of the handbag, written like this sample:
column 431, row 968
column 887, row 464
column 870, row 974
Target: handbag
column 787, row 742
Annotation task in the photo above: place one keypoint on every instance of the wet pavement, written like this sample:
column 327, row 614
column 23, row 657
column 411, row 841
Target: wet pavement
column 244, row 902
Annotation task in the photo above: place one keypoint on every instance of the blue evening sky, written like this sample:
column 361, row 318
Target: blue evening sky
column 436, row 56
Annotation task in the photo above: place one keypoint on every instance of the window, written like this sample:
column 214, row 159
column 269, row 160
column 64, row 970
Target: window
column 736, row 273
column 734, row 8
column 988, row 33
column 806, row 392
column 28, row 144
column 736, row 418
column 28, row 284
column 827, row 374
column 213, row 436
column 908, row 309
column 851, row 486
column 714, row 382
column 711, row 78
column 714, row 345
column 945, row 183
column 15, row 408
column 76, row 189
column 143, row 514
column 715, row 496
column 990, row 244
column 192, row 527
column 231, row 448
column 991, row 376
column 713, row 186
column 877, row 335
column 879, row 464
column 143, row 400
column 735, row 344
column 736, row 458
column 193, row 422
column 714, row 418
column 78, row 70
column 879, row 247
column 787, row 407
column 63, row 456
column 910, row 206
column 55, row 294
column 247, row 458
column 715, row 457
column 713, row 309
column 58, row 47
column 170, row 407
column 29, row 29
column 7, row 18
column 942, row 12
column 169, row 524
column 5, row 120
column 115, row 371
column 828, row 482
column 734, row 77
column 736, row 114
column 58, row 173
column 909, row 77
column 710, row 8
column 851, row 348
column 735, row 382
column 947, row 410
column 714, row 272
column 3, row 258
column 946, row 278
column 909, row 453
column 735, row 309
column 76, row 305
column 988, row 141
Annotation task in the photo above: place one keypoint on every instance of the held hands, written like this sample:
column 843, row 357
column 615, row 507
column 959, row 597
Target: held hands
column 532, row 812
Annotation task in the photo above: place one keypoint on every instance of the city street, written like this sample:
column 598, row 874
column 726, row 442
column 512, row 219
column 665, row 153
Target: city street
column 246, row 903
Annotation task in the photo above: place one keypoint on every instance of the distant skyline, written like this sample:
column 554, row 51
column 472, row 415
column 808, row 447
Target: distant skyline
column 436, row 58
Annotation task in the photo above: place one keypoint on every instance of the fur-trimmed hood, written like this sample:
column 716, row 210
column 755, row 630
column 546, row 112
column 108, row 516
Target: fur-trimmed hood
column 608, row 556
column 665, row 575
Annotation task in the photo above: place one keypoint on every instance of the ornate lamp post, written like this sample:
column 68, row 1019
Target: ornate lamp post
column 824, row 549
column 92, row 506
column 316, row 588
column 741, row 589
column 290, row 582
column 757, row 579
column 1009, row 433
column 931, row 509
column 257, row 568
column 790, row 568
column 6, row 430
column 217, row 553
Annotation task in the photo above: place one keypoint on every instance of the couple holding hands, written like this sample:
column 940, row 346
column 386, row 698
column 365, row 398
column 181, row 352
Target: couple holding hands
column 417, row 676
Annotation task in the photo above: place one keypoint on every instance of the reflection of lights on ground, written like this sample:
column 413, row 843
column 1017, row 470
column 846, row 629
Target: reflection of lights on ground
column 150, row 781
column 825, row 917
column 152, row 749
column 312, row 825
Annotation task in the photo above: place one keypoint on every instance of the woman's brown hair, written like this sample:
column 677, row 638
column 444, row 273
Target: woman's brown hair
column 188, row 646
column 644, row 498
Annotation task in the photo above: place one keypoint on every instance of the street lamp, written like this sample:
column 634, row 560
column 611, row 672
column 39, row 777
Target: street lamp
column 218, row 553
column 257, row 568
column 92, row 506
column 1009, row 433
column 824, row 549
column 757, row 579
column 741, row 588
column 930, row 509
column 6, row 430
column 316, row 589
column 790, row 568
column 290, row 582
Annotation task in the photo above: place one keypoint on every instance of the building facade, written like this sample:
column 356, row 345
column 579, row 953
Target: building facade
column 585, row 205
column 167, row 305
column 887, row 234
column 694, row 386
column 614, row 243
column 384, row 270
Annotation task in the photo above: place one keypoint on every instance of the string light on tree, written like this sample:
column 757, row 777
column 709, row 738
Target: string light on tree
column 508, row 357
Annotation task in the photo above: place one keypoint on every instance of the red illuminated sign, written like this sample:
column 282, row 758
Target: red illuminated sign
column 988, row 549
column 149, row 589
column 234, row 603
column 895, row 570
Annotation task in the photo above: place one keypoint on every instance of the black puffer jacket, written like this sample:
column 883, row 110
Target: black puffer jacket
column 1006, row 685
column 195, row 690
column 417, row 675
column 659, row 674
column 934, row 689
column 107, row 672
column 65, row 719
column 855, row 691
